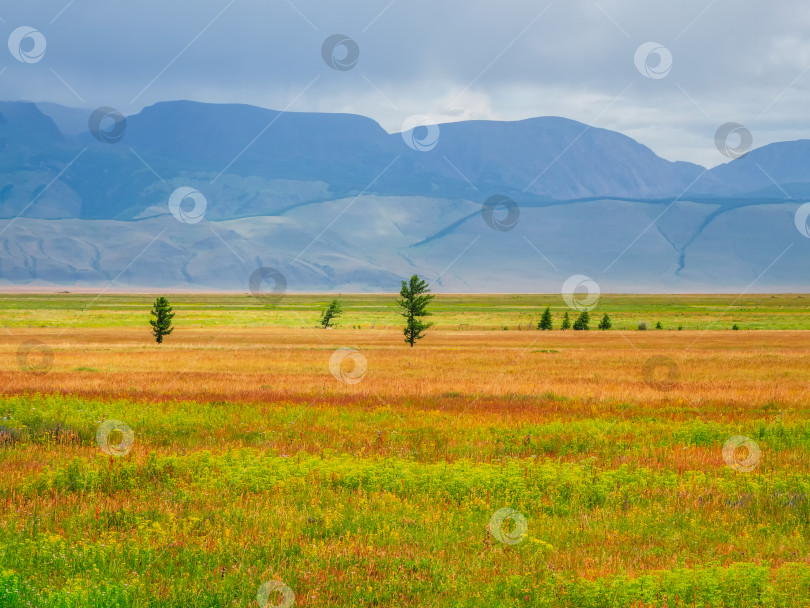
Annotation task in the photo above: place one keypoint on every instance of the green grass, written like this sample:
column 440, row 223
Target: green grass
column 353, row 499
column 467, row 312
column 371, row 507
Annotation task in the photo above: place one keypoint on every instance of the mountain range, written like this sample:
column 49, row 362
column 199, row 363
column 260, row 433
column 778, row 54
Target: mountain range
column 336, row 203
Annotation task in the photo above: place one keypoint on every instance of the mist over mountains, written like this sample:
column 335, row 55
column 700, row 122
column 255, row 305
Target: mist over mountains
column 336, row 203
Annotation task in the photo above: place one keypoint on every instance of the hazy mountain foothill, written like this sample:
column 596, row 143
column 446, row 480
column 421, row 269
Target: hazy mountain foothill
column 336, row 203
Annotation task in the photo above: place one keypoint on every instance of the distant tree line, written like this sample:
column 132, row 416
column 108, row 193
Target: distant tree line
column 582, row 323
column 413, row 301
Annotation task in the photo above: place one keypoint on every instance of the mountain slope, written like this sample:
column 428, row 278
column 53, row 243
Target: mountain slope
column 779, row 169
column 195, row 144
column 347, row 247
column 337, row 203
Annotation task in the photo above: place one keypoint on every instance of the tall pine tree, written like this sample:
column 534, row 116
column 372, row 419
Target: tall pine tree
column 162, row 322
column 413, row 302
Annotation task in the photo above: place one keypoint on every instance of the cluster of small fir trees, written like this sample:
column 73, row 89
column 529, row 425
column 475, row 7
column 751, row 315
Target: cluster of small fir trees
column 581, row 323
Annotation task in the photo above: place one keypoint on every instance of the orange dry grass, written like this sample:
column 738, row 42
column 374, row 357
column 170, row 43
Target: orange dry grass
column 723, row 373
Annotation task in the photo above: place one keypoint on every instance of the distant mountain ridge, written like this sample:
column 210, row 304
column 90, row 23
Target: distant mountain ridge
column 539, row 159
column 274, row 181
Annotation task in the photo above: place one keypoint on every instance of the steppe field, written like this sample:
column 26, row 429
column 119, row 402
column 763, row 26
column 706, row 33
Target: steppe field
column 256, row 460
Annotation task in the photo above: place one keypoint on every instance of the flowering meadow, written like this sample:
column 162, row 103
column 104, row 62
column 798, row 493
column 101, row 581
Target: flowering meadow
column 296, row 466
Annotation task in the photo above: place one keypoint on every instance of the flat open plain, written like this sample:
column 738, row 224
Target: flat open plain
column 375, row 477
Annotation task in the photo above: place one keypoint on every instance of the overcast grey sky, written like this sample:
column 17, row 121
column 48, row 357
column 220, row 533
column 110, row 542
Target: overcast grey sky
column 732, row 60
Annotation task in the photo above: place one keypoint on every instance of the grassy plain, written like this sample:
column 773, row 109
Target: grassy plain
column 473, row 312
column 254, row 462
